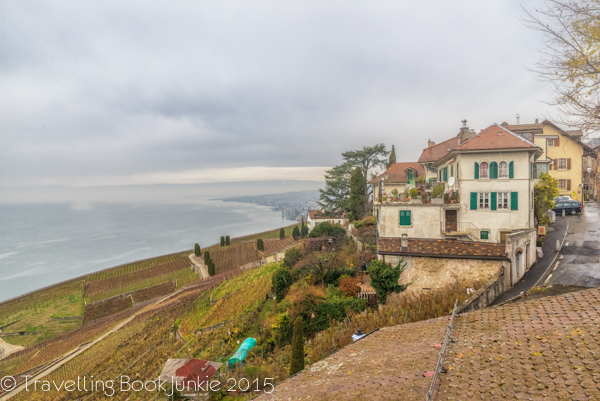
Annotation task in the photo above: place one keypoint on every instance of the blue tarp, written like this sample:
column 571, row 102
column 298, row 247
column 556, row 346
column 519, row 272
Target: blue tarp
column 240, row 354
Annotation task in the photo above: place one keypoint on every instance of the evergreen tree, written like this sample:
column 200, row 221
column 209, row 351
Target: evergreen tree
column 296, row 232
column 282, row 233
column 222, row 241
column 302, row 234
column 206, row 257
column 392, row 159
column 260, row 245
column 305, row 233
column 297, row 362
column 211, row 268
column 197, row 250
column 227, row 240
column 282, row 280
column 358, row 195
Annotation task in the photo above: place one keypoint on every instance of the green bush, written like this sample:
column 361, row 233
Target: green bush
column 438, row 191
column 384, row 278
column 327, row 229
column 292, row 256
column 282, row 233
column 260, row 245
column 206, row 257
column 297, row 362
column 211, row 268
column 282, row 280
column 197, row 250
column 295, row 233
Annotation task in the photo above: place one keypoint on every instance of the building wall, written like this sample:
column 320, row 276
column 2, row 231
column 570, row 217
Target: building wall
column 425, row 273
column 312, row 223
column 523, row 242
column 387, row 189
column 568, row 148
column 425, row 220
column 496, row 221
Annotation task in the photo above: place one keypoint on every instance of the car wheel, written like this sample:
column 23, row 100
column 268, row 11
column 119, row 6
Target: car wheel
column 573, row 212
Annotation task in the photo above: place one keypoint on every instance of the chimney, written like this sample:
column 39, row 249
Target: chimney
column 404, row 242
column 430, row 143
column 471, row 133
column 464, row 132
column 517, row 119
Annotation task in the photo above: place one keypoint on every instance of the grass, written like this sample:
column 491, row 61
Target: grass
column 183, row 276
column 60, row 301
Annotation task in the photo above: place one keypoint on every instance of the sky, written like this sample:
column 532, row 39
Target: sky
column 112, row 93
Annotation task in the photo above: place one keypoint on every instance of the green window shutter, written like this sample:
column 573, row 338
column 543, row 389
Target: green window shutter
column 511, row 170
column 445, row 174
column 440, row 173
column 473, row 200
column 514, row 200
column 483, row 235
column 451, row 171
column 457, row 171
column 408, row 218
column 493, row 170
column 405, row 217
column 476, row 170
column 493, row 201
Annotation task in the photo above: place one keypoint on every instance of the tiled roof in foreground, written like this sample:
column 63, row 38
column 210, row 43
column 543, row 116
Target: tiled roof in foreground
column 389, row 364
column 441, row 248
column 547, row 348
column 542, row 349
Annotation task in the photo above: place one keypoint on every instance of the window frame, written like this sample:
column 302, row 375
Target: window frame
column 550, row 143
column 484, row 167
column 561, row 187
column 483, row 199
column 500, row 175
column 502, row 200
column 561, row 159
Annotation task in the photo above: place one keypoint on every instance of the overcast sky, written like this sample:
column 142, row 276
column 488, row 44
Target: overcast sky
column 143, row 92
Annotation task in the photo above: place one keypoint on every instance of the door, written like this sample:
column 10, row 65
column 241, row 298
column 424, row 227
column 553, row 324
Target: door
column 451, row 220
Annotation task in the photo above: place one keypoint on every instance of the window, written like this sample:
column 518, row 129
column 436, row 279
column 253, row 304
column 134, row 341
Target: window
column 484, row 200
column 503, row 170
column 550, row 143
column 452, row 171
column 483, row 170
column 539, row 168
column 409, row 176
column 502, row 200
column 562, row 164
column 484, row 234
column 562, row 184
column 405, row 219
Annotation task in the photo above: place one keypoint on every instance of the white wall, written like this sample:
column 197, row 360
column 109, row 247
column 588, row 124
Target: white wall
column 425, row 220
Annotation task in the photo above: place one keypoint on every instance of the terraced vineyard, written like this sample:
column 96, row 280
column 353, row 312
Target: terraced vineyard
column 131, row 267
column 105, row 285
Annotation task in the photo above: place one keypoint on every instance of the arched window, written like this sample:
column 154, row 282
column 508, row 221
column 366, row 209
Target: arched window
column 503, row 170
column 483, row 170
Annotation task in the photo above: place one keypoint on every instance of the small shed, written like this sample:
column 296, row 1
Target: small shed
column 191, row 373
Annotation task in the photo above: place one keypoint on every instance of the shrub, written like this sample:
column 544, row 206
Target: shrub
column 211, row 268
column 538, row 242
column 384, row 278
column 227, row 240
column 292, row 256
column 349, row 286
column 282, row 280
column 197, row 250
column 296, row 233
column 413, row 193
column 260, row 244
column 297, row 362
column 437, row 191
column 206, row 257
column 222, row 241
column 326, row 229
column 281, row 233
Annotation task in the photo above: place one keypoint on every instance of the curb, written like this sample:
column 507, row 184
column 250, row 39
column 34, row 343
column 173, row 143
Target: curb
column 544, row 274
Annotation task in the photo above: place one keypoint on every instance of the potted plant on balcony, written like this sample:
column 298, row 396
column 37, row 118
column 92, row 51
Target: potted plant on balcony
column 395, row 195
column 406, row 195
column 437, row 194
column 384, row 199
column 414, row 195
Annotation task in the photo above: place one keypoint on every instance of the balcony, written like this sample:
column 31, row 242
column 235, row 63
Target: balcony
column 455, row 229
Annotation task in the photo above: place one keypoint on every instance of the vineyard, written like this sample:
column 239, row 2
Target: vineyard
column 182, row 276
column 265, row 235
column 232, row 298
column 105, row 285
column 110, row 307
column 131, row 267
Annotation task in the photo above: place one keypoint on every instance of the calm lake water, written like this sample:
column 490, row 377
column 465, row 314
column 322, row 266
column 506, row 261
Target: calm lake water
column 42, row 244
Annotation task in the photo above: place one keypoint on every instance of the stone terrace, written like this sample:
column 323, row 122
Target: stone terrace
column 543, row 349
column 389, row 364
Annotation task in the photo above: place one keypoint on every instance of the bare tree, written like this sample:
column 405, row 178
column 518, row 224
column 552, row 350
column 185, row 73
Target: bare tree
column 570, row 58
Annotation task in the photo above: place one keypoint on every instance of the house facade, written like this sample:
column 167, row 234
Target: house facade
column 399, row 176
column 488, row 179
column 315, row 217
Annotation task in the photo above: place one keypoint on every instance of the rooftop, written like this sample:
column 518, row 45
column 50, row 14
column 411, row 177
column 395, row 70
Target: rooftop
column 397, row 173
column 436, row 152
column 192, row 372
column 441, row 248
column 319, row 214
column 496, row 137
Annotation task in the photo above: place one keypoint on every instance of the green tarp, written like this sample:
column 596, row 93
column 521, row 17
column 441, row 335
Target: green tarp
column 240, row 354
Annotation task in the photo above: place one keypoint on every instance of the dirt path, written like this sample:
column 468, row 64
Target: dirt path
column 6, row 349
column 201, row 266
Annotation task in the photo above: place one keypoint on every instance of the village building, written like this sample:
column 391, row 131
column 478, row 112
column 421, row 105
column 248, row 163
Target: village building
column 397, row 178
column 315, row 217
column 562, row 157
column 488, row 183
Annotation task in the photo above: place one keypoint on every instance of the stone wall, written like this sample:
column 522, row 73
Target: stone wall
column 484, row 296
column 520, row 242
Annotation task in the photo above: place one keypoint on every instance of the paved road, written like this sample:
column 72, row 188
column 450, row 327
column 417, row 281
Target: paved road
column 556, row 231
column 579, row 261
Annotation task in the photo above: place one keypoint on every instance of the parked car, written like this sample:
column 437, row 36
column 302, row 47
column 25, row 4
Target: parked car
column 569, row 206
column 562, row 198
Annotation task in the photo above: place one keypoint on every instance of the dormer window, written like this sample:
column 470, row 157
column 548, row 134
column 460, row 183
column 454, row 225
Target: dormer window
column 484, row 170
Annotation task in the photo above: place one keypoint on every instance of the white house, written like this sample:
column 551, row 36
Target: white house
column 318, row 216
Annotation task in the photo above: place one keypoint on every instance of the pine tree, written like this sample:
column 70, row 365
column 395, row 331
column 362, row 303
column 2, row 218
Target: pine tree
column 281, row 233
column 206, row 257
column 227, row 240
column 197, row 250
column 296, row 232
column 297, row 362
column 358, row 195
column 305, row 231
column 392, row 159
column 222, row 241
column 260, row 245
column 302, row 229
column 211, row 268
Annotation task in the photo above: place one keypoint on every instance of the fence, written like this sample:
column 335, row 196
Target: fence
column 438, row 368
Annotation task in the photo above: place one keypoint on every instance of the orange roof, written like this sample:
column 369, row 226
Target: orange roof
column 496, row 137
column 436, row 152
column 442, row 248
column 397, row 172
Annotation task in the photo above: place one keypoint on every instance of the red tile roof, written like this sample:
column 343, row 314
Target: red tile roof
column 192, row 372
column 317, row 214
column 496, row 137
column 436, row 152
column 397, row 172
column 441, row 248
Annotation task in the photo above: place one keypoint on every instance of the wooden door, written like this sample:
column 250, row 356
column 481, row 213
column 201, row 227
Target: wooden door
column 451, row 220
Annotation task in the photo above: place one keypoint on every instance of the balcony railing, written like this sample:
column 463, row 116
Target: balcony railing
column 462, row 228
